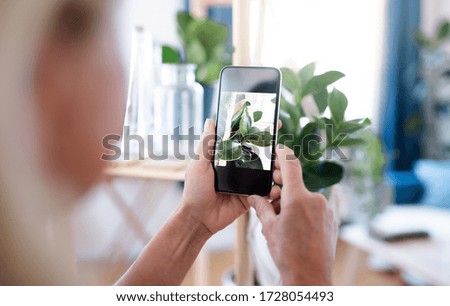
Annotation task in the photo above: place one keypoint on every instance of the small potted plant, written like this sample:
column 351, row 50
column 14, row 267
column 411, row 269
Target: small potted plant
column 205, row 45
column 238, row 149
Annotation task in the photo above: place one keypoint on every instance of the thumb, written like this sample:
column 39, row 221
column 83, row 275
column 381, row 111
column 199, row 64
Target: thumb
column 206, row 146
column 264, row 210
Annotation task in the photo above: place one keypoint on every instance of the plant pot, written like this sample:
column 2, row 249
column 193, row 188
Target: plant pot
column 252, row 162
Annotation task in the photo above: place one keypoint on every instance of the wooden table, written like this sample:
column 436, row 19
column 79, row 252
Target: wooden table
column 146, row 170
column 428, row 259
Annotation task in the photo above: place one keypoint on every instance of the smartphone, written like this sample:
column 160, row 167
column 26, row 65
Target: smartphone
column 246, row 129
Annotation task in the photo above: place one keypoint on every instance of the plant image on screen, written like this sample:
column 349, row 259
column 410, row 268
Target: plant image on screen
column 245, row 130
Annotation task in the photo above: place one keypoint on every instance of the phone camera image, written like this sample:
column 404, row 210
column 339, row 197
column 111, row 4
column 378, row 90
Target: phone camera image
column 245, row 130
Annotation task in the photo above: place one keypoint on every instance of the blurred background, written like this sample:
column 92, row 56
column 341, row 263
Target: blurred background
column 394, row 199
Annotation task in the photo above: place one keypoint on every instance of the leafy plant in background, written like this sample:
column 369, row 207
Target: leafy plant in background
column 366, row 174
column 432, row 67
column 433, row 43
column 309, row 131
column 236, row 149
column 204, row 44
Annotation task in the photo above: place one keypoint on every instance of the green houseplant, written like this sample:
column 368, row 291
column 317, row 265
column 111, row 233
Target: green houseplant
column 309, row 131
column 237, row 149
column 314, row 125
column 204, row 44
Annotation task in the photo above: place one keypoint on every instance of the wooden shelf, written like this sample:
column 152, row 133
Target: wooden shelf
column 148, row 169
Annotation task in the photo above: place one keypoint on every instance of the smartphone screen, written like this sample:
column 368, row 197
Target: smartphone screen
column 246, row 129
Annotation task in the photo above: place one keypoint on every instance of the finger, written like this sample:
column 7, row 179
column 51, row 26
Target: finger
column 275, row 193
column 291, row 170
column 244, row 202
column 206, row 146
column 277, row 163
column 277, row 177
column 336, row 196
column 276, row 206
column 264, row 210
column 280, row 124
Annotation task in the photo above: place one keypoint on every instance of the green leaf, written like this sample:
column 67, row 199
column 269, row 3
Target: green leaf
column 329, row 126
column 317, row 176
column 259, row 138
column 349, row 127
column 253, row 131
column 211, row 34
column 423, row 40
column 257, row 116
column 321, row 98
column 219, row 53
column 184, row 21
column 209, row 72
column 195, row 52
column 320, row 82
column 170, row 55
column 229, row 150
column 443, row 30
column 310, row 141
column 246, row 155
column 364, row 121
column 204, row 43
column 312, row 128
column 290, row 80
column 292, row 110
column 246, row 122
column 235, row 121
column 337, row 102
column 351, row 142
column 248, row 160
column 306, row 73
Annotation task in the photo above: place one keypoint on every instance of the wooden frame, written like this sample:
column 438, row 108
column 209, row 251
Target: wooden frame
column 199, row 8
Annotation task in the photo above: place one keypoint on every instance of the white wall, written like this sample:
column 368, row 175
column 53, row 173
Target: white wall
column 344, row 35
column 159, row 17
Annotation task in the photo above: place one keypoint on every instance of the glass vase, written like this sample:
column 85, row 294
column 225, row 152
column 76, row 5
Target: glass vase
column 139, row 116
column 178, row 112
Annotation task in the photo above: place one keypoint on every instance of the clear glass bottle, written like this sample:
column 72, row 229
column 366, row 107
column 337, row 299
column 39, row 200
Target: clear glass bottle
column 139, row 117
column 178, row 112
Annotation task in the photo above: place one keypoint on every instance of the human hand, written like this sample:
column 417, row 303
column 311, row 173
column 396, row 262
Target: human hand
column 200, row 200
column 302, row 236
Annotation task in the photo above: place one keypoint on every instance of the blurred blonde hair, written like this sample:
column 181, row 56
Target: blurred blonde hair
column 35, row 240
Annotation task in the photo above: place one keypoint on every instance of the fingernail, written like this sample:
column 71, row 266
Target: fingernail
column 206, row 125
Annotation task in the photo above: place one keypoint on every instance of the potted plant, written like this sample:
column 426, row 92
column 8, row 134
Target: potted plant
column 239, row 148
column 205, row 45
column 316, row 139
column 305, row 99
